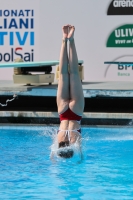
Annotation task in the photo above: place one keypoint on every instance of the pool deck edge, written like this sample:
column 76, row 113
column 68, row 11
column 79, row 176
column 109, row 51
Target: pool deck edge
column 105, row 102
column 86, row 115
column 90, row 89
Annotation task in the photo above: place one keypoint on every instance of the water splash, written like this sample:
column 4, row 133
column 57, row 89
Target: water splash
column 8, row 100
column 54, row 155
column 50, row 131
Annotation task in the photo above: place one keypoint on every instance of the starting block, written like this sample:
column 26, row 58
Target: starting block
column 29, row 72
column 23, row 74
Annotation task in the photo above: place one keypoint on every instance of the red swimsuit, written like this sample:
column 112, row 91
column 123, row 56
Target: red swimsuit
column 70, row 115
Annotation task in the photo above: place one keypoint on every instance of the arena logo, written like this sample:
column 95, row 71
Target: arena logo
column 120, row 7
column 122, row 69
column 10, row 56
column 121, row 37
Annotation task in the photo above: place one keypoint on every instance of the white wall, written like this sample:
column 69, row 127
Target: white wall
column 93, row 28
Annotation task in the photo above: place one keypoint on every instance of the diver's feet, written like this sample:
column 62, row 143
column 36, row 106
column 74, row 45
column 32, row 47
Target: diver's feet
column 71, row 33
column 65, row 32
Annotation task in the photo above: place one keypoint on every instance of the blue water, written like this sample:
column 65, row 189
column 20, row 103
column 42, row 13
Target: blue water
column 26, row 171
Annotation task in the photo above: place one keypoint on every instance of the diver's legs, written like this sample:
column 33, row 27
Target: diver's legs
column 63, row 85
column 76, row 92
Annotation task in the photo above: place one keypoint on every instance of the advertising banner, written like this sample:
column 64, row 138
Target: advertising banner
column 120, row 40
column 19, row 31
column 120, row 7
column 103, row 32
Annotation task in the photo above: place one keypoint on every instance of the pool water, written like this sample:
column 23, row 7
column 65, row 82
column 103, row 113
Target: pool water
column 26, row 171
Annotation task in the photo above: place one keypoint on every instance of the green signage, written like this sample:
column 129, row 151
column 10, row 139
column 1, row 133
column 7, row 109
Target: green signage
column 122, row 37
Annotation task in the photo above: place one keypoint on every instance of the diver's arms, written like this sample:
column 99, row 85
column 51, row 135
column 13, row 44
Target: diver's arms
column 52, row 155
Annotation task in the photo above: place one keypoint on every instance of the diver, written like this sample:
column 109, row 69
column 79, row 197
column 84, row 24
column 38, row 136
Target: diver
column 70, row 99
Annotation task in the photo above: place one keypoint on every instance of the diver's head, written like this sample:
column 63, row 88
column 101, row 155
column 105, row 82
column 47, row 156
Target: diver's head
column 64, row 150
